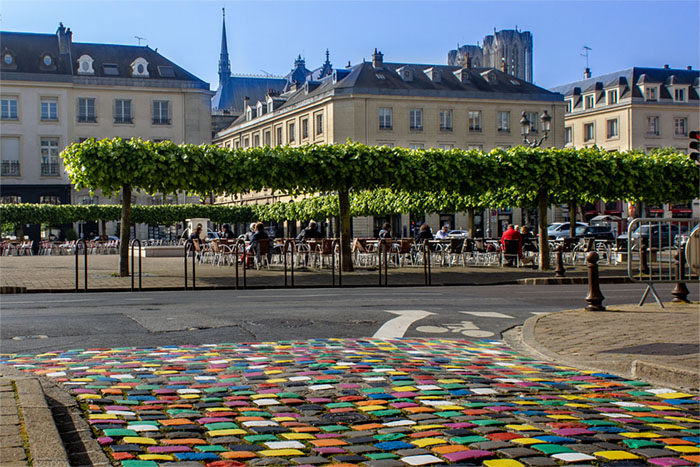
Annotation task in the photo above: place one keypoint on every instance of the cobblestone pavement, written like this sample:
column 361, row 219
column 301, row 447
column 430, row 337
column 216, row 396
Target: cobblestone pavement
column 378, row 403
column 12, row 451
column 49, row 273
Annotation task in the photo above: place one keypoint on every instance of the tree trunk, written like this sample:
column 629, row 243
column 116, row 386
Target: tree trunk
column 345, row 237
column 572, row 218
column 470, row 219
column 125, row 230
column 542, row 204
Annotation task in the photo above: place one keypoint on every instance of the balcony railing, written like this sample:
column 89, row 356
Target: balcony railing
column 87, row 119
column 9, row 168
column 123, row 120
column 161, row 121
column 50, row 169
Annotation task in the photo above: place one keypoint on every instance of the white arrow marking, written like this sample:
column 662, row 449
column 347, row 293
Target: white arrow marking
column 487, row 314
column 398, row 326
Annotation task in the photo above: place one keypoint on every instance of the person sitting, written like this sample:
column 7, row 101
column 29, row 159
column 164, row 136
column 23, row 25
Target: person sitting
column 256, row 239
column 309, row 232
column 424, row 234
column 385, row 233
column 196, row 234
column 443, row 233
column 250, row 233
column 227, row 233
column 511, row 245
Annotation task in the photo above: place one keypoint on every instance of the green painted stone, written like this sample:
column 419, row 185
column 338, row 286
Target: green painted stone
column 449, row 414
column 116, row 432
column 550, row 449
column 260, row 438
column 133, row 463
column 334, row 428
column 221, row 426
column 212, row 448
column 384, row 413
column 469, row 439
column 487, row 422
column 381, row 455
column 389, row 437
column 640, row 443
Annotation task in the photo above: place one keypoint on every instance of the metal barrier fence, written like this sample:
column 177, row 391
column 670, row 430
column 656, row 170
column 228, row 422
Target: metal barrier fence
column 81, row 241
column 663, row 251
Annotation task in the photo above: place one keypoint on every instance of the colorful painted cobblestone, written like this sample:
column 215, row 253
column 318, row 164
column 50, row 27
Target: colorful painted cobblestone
column 367, row 402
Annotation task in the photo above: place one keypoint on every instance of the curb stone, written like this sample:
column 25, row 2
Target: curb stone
column 523, row 337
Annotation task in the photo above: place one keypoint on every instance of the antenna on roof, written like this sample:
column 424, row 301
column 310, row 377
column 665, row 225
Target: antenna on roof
column 140, row 39
column 587, row 72
column 266, row 73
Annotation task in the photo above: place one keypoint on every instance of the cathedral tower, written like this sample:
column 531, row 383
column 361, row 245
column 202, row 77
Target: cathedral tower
column 224, row 63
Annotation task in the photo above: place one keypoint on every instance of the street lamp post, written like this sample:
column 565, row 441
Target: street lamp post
column 525, row 129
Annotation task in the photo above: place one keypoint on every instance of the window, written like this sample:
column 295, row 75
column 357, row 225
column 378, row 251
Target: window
column 612, row 128
column 416, row 119
column 416, row 146
column 85, row 65
column 87, row 199
column 110, row 69
column 385, row 118
column 86, row 109
column 589, row 102
column 680, row 126
column 447, row 147
column 588, row 132
column 246, row 142
column 650, row 94
column 475, row 147
column 569, row 106
column 10, row 199
column 49, row 110
column 256, row 141
column 267, row 138
column 568, row 135
column 652, row 126
column 679, row 95
column 161, row 112
column 305, row 128
column 612, row 97
column 8, row 108
column 49, row 157
column 533, row 117
column 291, row 132
column 122, row 111
column 278, row 138
column 48, row 199
column 475, row 120
column 139, row 68
column 319, row 124
column 503, row 122
column 446, row 120
column 9, row 148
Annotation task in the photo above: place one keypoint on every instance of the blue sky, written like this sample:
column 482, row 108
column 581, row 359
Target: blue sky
column 266, row 36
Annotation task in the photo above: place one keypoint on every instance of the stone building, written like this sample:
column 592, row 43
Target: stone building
column 637, row 108
column 399, row 104
column 55, row 92
column 509, row 50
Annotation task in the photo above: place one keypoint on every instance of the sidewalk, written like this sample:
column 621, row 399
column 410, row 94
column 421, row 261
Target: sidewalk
column 57, row 274
column 660, row 346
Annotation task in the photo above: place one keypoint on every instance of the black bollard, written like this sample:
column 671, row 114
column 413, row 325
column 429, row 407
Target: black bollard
column 595, row 296
column 560, row 270
column 680, row 292
column 644, row 257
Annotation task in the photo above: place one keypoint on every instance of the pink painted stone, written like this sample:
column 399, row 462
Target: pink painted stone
column 168, row 449
column 205, row 420
column 404, row 394
column 573, row 431
column 326, row 435
column 330, row 450
column 107, row 422
column 460, row 425
column 320, row 400
column 105, row 440
column 668, row 461
column 403, row 405
column 117, row 407
column 348, row 386
column 471, row 454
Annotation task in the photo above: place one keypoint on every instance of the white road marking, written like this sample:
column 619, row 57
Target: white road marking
column 44, row 301
column 398, row 326
column 539, row 312
column 487, row 314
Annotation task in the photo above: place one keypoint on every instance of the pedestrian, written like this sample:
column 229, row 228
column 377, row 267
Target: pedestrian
column 309, row 232
column 443, row 233
column 424, row 234
column 386, row 231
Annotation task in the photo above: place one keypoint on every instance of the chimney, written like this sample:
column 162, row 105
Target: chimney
column 587, row 73
column 246, row 101
column 348, row 65
column 65, row 38
column 377, row 60
column 689, row 68
column 666, row 67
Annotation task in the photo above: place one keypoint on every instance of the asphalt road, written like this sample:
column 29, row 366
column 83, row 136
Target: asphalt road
column 40, row 322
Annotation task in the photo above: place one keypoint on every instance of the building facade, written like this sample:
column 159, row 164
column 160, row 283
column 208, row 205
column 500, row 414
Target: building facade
column 637, row 108
column 399, row 104
column 56, row 92
column 509, row 50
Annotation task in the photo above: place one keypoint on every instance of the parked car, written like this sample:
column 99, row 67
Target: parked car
column 657, row 235
column 111, row 238
column 458, row 234
column 560, row 230
column 598, row 232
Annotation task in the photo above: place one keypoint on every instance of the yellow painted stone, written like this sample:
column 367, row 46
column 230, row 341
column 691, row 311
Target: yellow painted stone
column 139, row 440
column 89, row 396
column 277, row 380
column 684, row 449
column 577, row 405
column 227, row 432
column 280, row 452
column 526, row 441
column 674, row 395
column 156, row 457
column 101, row 416
column 263, row 396
column 397, row 373
column 683, row 419
column 81, row 380
column 450, row 407
column 503, row 463
column 371, row 408
column 190, row 396
column 562, row 417
column 218, row 409
column 667, row 426
column 273, row 372
column 423, row 442
column 429, row 398
column 616, row 455
column 297, row 436
column 284, row 419
column 404, row 389
column 640, row 434
column 525, row 403
column 522, row 427
column 426, row 427
column 450, row 381
column 165, row 372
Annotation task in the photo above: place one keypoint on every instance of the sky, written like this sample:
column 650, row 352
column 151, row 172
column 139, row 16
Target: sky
column 264, row 37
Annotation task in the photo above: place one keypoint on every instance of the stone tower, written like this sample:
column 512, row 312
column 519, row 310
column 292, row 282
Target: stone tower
column 509, row 47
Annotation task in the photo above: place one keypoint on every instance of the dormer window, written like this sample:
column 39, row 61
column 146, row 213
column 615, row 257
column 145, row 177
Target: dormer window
column 679, row 95
column 47, row 62
column 270, row 105
column 489, row 76
column 248, row 114
column 651, row 93
column 47, row 59
column 405, row 73
column 433, row 74
column 589, row 101
column 8, row 59
column 85, row 65
column 260, row 108
column 139, row 68
column 612, row 96
column 569, row 105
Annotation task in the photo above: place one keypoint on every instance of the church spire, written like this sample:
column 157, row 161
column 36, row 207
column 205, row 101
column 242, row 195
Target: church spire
column 224, row 64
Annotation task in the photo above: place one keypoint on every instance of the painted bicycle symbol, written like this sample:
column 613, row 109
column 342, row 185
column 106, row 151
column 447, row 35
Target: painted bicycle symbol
column 467, row 328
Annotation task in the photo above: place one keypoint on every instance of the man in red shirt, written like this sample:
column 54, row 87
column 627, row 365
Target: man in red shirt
column 512, row 234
